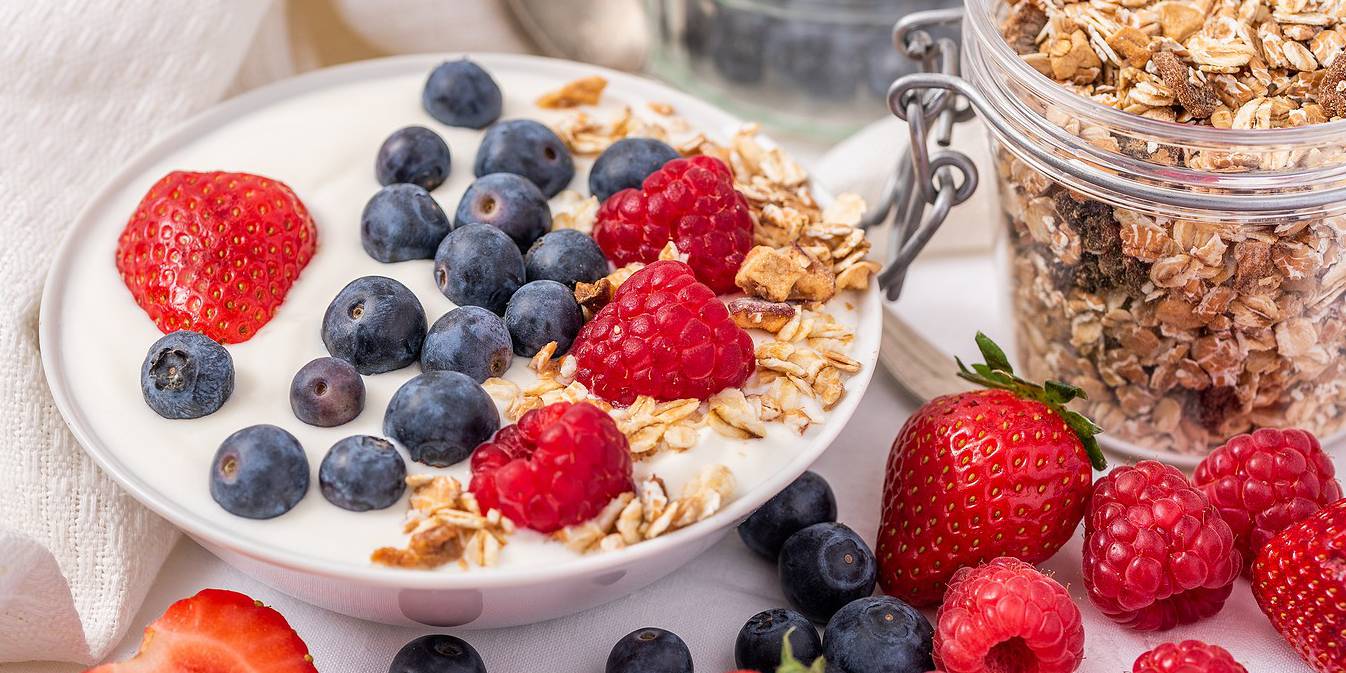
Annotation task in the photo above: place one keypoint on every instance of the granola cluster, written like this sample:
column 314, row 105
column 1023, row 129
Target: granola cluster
column 446, row 526
column 635, row 517
column 1182, row 331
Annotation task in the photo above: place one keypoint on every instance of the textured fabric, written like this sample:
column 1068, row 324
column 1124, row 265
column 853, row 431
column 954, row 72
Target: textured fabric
column 85, row 85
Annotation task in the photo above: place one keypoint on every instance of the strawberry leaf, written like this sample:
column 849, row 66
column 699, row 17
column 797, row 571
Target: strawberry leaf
column 1056, row 395
column 788, row 663
column 991, row 352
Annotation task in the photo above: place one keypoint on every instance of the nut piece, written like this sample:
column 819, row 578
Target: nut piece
column 1198, row 100
column 595, row 295
column 583, row 91
column 1132, row 44
column 754, row 313
column 1179, row 20
column 778, row 274
column 1332, row 91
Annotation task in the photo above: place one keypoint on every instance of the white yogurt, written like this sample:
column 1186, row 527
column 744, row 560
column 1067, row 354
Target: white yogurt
column 322, row 145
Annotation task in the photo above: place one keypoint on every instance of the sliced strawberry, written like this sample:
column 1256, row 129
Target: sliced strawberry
column 218, row 631
column 216, row 252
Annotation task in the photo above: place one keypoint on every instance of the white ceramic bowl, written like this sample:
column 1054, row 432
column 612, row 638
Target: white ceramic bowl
column 319, row 134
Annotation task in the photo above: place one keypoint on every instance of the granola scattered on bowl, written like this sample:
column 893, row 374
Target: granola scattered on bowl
column 801, row 259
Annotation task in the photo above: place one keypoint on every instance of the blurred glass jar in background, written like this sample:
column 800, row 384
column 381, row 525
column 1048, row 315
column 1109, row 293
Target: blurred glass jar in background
column 813, row 68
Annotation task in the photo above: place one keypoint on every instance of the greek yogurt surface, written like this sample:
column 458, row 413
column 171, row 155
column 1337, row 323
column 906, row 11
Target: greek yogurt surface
column 322, row 144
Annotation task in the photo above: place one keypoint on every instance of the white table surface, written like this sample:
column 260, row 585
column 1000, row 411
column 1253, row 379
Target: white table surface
column 706, row 602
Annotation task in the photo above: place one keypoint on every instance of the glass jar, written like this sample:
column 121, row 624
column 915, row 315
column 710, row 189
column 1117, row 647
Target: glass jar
column 1189, row 278
column 815, row 68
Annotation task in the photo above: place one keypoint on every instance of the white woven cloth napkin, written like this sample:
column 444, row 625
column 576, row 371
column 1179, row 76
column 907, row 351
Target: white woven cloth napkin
column 85, row 85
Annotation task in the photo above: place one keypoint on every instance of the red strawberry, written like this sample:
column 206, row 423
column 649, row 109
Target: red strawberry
column 558, row 466
column 218, row 631
column 689, row 201
column 981, row 474
column 664, row 335
column 1299, row 581
column 215, row 252
column 1265, row 481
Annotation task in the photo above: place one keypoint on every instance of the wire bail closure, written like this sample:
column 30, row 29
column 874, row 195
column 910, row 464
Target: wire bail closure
column 925, row 186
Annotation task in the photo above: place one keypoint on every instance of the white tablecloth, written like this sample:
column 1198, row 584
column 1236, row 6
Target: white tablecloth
column 706, row 602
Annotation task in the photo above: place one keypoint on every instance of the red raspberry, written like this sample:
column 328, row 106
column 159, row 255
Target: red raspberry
column 664, row 335
column 215, row 252
column 1188, row 656
column 1263, row 482
column 690, row 201
column 1156, row 552
column 1004, row 615
column 558, row 466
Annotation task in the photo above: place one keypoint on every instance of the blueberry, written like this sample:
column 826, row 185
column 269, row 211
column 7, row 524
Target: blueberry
column 460, row 93
column 566, row 256
column 413, row 154
column 878, row 635
column 438, row 653
column 737, row 42
column 806, row 501
column 525, row 147
column 440, row 417
column 824, row 567
column 478, row 265
column 626, row 163
column 541, row 312
column 507, row 202
column 650, row 650
column 259, row 472
column 468, row 339
column 826, row 60
column 758, row 646
column 376, row 324
column 186, row 375
column 327, row 392
column 361, row 473
column 402, row 222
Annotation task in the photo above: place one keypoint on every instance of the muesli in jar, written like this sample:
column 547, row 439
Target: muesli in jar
column 1183, row 328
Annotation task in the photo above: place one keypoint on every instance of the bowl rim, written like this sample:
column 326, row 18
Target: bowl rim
column 199, row 527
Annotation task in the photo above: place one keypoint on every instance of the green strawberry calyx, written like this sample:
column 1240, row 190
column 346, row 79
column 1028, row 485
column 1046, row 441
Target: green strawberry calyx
column 997, row 373
column 788, row 663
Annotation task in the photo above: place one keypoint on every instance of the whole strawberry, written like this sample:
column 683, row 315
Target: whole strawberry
column 1156, row 553
column 981, row 474
column 1265, row 481
column 691, row 202
column 664, row 335
column 1299, row 581
column 216, row 252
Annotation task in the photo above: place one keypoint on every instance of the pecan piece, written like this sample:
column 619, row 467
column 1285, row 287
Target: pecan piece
column 754, row 313
column 1332, row 91
column 1198, row 100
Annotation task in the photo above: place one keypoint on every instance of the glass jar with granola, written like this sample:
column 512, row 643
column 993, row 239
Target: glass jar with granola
column 1173, row 181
